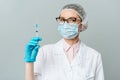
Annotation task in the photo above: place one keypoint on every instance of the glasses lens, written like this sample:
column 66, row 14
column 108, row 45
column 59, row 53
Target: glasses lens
column 71, row 20
column 60, row 20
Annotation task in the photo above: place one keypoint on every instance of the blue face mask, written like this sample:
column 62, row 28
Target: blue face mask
column 68, row 31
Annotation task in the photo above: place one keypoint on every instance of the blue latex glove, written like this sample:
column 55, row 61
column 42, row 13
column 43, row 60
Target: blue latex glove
column 31, row 49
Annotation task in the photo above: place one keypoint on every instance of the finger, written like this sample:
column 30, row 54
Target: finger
column 36, row 39
column 35, row 51
column 40, row 39
column 31, row 44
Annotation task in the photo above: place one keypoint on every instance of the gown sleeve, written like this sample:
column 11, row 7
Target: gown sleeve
column 38, row 65
column 99, row 74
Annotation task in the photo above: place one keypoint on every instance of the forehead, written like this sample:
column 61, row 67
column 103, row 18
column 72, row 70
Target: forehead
column 66, row 13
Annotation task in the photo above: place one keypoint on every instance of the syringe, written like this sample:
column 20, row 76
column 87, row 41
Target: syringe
column 36, row 30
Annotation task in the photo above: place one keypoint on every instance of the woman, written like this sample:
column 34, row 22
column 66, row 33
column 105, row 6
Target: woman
column 69, row 58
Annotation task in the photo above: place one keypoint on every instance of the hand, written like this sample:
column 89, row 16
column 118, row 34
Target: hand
column 31, row 49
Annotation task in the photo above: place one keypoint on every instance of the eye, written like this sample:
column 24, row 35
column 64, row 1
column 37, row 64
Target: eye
column 61, row 19
column 71, row 20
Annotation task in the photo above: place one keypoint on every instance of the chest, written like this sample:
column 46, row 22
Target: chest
column 57, row 67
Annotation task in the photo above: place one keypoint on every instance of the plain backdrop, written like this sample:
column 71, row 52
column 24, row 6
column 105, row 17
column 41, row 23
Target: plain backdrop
column 17, row 18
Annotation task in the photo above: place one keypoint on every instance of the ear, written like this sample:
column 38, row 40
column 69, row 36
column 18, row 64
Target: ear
column 80, row 27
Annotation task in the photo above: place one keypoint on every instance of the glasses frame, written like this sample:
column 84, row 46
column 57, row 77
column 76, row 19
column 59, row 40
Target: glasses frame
column 67, row 20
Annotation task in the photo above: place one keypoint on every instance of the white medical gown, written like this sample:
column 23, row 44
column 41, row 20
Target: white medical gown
column 53, row 64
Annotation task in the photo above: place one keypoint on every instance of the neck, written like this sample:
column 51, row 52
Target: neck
column 72, row 41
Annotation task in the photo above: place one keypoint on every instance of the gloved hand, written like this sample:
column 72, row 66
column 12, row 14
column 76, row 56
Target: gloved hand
column 31, row 49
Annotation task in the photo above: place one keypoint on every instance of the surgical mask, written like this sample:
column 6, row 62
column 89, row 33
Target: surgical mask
column 68, row 31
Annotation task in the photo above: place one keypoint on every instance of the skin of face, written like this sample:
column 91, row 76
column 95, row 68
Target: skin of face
column 67, row 13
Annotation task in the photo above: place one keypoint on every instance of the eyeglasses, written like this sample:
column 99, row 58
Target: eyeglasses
column 71, row 20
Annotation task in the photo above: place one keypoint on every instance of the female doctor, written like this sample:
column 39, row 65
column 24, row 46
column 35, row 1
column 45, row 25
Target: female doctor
column 69, row 58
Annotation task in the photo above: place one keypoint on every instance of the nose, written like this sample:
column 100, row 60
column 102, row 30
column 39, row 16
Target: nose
column 65, row 24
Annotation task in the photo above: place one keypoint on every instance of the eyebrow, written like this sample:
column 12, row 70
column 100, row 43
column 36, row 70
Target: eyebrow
column 69, row 17
column 72, row 17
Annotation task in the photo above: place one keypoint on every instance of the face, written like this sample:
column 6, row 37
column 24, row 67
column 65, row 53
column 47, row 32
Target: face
column 69, row 13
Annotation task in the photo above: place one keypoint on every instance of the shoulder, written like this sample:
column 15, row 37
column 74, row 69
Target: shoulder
column 90, row 51
column 47, row 47
column 45, row 50
column 52, row 46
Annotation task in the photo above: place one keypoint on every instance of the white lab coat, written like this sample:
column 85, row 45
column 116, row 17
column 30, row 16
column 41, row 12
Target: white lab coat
column 52, row 64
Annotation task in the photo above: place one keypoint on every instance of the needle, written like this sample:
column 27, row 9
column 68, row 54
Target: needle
column 36, row 30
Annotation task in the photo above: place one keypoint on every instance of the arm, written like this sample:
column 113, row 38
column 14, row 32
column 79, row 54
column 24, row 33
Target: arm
column 29, row 75
column 31, row 51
